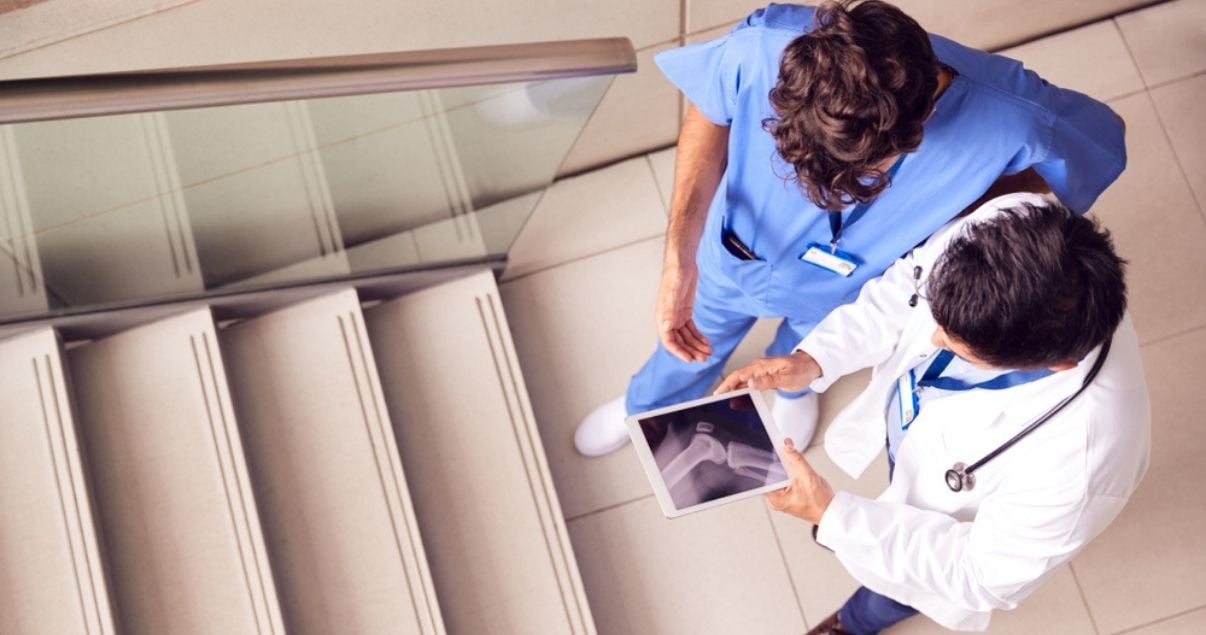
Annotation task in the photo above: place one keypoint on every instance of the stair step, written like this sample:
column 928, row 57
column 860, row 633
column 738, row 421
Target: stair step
column 334, row 501
column 184, row 546
column 491, row 522
column 52, row 580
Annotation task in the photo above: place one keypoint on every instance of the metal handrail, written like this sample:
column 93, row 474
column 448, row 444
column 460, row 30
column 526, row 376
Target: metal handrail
column 41, row 99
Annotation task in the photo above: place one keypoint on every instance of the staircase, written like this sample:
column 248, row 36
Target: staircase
column 255, row 375
column 319, row 468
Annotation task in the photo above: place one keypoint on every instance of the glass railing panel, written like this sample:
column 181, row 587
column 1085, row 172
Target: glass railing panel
column 145, row 207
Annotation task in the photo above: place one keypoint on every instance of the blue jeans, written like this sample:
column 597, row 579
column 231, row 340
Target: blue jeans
column 867, row 612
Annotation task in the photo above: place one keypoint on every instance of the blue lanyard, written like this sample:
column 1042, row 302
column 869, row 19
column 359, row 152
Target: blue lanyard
column 932, row 376
column 835, row 218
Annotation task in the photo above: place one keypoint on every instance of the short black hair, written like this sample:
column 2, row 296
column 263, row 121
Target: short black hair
column 1035, row 286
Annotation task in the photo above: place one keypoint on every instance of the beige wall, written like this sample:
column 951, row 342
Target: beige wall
column 639, row 113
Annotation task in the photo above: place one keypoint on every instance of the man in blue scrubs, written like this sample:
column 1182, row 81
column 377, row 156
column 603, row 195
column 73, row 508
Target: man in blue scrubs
column 820, row 145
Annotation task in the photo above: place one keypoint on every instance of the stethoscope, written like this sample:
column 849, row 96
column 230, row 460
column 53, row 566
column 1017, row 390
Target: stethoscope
column 962, row 477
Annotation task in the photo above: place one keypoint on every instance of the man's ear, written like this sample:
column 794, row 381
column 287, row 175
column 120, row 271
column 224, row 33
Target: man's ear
column 1063, row 366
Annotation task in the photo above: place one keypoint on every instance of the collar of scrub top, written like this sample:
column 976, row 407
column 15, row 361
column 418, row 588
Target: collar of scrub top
column 933, row 376
column 835, row 218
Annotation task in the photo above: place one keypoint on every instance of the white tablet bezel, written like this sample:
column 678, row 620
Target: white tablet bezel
column 645, row 454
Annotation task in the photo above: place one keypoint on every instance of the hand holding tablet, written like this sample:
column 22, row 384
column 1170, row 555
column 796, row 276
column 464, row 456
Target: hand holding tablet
column 807, row 495
column 709, row 452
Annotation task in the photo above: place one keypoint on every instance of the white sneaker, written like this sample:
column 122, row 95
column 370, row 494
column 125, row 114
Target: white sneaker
column 797, row 418
column 603, row 431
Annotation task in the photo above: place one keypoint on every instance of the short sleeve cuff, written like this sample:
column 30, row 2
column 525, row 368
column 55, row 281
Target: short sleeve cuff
column 699, row 72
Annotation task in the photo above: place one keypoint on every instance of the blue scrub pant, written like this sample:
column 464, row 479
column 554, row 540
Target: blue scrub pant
column 867, row 612
column 724, row 314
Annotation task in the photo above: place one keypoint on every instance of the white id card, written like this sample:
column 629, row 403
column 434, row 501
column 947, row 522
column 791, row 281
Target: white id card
column 829, row 259
column 907, row 396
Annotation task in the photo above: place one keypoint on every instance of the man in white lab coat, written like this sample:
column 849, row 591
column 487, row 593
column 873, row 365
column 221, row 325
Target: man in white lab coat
column 973, row 336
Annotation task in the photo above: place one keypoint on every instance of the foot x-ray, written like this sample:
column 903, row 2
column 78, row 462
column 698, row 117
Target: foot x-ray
column 712, row 450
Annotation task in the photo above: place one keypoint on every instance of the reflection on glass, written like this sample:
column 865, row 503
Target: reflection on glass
column 139, row 207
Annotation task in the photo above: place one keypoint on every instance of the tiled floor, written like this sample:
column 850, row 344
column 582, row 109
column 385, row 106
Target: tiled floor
column 580, row 300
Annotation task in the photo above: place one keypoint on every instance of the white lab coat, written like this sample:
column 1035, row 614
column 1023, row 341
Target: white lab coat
column 957, row 556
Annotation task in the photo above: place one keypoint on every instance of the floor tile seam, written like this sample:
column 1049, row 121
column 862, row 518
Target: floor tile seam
column 616, row 161
column 1080, row 24
column 661, row 196
column 1180, row 163
column 1171, row 336
column 184, row 188
column 650, row 47
column 1176, row 80
column 247, row 168
column 128, row 204
column 92, row 216
column 1128, row 94
column 1130, row 51
column 327, row 146
column 404, row 122
column 791, row 580
column 1084, row 598
column 118, row 22
column 577, row 259
column 607, row 508
column 683, row 9
column 527, row 219
column 1132, row 629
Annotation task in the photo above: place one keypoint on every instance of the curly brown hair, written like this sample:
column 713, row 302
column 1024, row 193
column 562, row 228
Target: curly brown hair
column 852, row 92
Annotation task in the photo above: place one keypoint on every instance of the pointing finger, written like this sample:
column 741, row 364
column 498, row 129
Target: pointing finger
column 736, row 379
column 728, row 385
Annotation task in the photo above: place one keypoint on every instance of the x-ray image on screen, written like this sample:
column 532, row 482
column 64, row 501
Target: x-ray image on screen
column 712, row 451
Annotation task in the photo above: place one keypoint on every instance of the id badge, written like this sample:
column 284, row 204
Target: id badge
column 832, row 260
column 907, row 397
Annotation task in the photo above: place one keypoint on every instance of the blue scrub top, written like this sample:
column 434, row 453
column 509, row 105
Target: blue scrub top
column 995, row 118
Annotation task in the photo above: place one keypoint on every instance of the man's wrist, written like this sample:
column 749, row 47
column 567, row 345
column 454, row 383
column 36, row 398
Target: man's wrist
column 830, row 524
column 678, row 261
column 822, row 507
column 810, row 363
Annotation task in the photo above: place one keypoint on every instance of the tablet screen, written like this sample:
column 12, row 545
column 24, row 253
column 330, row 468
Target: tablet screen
column 712, row 450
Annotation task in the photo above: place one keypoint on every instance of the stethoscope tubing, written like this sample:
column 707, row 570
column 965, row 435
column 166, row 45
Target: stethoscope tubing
column 960, row 477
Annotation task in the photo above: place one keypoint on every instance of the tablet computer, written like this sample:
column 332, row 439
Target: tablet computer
column 709, row 452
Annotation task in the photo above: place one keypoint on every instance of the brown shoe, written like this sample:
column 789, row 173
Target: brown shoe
column 831, row 626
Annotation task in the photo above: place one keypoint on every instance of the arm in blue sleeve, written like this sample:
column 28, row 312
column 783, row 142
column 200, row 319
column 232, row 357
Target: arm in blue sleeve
column 706, row 75
column 1082, row 150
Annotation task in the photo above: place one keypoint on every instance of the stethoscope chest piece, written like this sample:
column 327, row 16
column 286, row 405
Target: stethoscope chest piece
column 959, row 479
